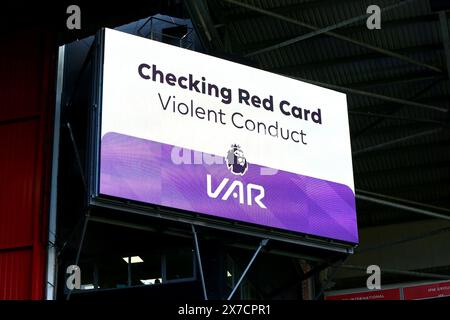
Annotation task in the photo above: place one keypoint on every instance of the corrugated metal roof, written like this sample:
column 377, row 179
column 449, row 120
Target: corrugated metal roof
column 417, row 169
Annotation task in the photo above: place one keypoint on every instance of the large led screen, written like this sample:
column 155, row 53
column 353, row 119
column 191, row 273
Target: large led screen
column 185, row 130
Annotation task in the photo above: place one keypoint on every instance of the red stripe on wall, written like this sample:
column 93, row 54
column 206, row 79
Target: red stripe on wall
column 387, row 294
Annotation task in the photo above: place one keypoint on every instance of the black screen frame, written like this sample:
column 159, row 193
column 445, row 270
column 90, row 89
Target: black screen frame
column 96, row 199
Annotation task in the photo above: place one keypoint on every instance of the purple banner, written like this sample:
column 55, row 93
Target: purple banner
column 143, row 170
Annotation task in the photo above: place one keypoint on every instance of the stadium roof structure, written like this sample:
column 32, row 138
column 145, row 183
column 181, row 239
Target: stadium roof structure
column 396, row 79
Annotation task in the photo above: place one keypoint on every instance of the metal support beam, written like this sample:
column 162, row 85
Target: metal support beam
column 406, row 51
column 69, row 239
column 402, row 272
column 445, row 38
column 403, row 201
column 388, row 82
column 199, row 260
column 329, row 278
column 87, row 215
column 397, row 204
column 80, row 247
column 77, row 155
column 52, row 260
column 395, row 141
column 326, row 29
column 237, row 15
column 335, row 35
column 261, row 245
column 394, row 111
column 386, row 116
column 372, row 95
column 199, row 13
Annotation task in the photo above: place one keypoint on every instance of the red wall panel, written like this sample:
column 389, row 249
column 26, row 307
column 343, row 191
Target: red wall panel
column 15, row 275
column 17, row 168
column 27, row 64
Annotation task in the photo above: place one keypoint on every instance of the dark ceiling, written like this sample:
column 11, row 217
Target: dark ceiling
column 396, row 79
column 52, row 15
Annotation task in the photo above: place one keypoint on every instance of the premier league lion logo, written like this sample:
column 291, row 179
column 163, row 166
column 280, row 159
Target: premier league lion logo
column 236, row 161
